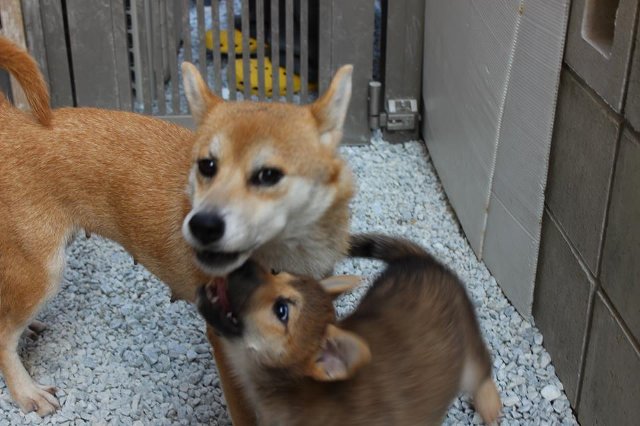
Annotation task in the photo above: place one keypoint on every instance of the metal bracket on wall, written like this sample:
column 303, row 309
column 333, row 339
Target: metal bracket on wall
column 399, row 114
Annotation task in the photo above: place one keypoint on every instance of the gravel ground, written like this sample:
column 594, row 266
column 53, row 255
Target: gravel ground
column 121, row 353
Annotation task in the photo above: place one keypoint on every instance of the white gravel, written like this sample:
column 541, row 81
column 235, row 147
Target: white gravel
column 121, row 353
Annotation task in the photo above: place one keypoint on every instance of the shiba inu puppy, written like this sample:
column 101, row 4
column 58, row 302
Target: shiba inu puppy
column 410, row 346
column 261, row 180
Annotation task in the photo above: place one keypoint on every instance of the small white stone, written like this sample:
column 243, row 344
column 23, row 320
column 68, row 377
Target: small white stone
column 545, row 360
column 538, row 339
column 550, row 392
column 510, row 401
column 136, row 402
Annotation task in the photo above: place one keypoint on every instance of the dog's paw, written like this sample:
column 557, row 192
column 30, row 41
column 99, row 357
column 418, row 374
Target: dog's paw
column 34, row 330
column 487, row 402
column 38, row 398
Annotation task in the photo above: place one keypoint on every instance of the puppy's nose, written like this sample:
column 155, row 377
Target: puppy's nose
column 207, row 228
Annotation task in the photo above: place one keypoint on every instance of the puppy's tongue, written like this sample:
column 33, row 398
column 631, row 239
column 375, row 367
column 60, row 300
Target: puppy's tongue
column 222, row 293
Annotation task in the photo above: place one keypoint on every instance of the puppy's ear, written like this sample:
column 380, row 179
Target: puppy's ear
column 200, row 98
column 331, row 109
column 338, row 284
column 341, row 355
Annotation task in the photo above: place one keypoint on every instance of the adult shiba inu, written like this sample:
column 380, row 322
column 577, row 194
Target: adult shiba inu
column 399, row 359
column 255, row 180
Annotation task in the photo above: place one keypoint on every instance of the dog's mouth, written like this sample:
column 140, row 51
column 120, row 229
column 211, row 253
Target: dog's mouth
column 215, row 306
column 219, row 262
column 217, row 258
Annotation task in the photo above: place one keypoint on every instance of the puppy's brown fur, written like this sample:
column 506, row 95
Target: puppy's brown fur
column 133, row 179
column 399, row 359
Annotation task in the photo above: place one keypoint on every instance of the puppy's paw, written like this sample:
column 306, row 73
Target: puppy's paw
column 487, row 402
column 38, row 398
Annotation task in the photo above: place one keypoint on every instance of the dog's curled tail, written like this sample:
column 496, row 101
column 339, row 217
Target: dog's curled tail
column 21, row 65
column 384, row 247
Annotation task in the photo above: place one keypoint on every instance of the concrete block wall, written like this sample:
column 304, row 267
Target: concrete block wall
column 587, row 296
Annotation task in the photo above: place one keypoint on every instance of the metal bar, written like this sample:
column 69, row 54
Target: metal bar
column 186, row 30
column 122, row 72
column 304, row 51
column 148, row 52
column 275, row 51
column 375, row 87
column 142, row 31
column 290, row 48
column 13, row 29
column 215, row 35
column 246, row 56
column 325, row 44
column 136, row 62
column 34, row 34
column 173, row 58
column 156, row 35
column 231, row 54
column 57, row 55
column 180, row 120
column 5, row 85
column 348, row 23
column 260, row 37
column 202, row 48
column 164, row 42
column 403, row 49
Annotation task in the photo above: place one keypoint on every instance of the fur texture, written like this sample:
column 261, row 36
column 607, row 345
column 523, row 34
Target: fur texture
column 411, row 345
column 132, row 179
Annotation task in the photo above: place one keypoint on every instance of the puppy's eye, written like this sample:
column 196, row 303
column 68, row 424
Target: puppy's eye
column 266, row 176
column 208, row 167
column 281, row 309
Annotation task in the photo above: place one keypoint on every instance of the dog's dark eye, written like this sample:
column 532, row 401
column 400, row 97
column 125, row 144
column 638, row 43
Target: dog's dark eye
column 281, row 309
column 208, row 167
column 266, row 177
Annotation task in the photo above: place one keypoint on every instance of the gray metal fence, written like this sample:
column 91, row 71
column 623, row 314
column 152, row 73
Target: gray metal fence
column 228, row 41
column 126, row 54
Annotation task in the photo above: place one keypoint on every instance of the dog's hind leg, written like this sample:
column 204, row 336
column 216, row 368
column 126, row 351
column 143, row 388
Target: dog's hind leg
column 25, row 284
column 34, row 329
column 477, row 380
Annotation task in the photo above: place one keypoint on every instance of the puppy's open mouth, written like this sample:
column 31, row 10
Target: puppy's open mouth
column 217, row 258
column 214, row 305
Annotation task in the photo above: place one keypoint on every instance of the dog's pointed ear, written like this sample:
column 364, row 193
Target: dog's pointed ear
column 338, row 284
column 200, row 98
column 342, row 354
column 331, row 109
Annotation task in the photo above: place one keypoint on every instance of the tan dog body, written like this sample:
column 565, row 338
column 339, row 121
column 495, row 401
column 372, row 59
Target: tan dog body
column 411, row 345
column 131, row 179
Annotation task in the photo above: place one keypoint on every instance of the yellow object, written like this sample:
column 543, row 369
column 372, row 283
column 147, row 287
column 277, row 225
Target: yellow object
column 224, row 42
column 268, row 78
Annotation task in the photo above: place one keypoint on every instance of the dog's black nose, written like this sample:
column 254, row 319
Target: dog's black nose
column 207, row 228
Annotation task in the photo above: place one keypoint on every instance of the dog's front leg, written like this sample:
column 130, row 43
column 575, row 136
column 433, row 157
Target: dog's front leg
column 240, row 410
column 29, row 395
column 26, row 282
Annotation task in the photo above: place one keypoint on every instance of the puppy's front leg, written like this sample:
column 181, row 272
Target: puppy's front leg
column 240, row 410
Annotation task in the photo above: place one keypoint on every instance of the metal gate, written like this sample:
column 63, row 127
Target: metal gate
column 126, row 54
